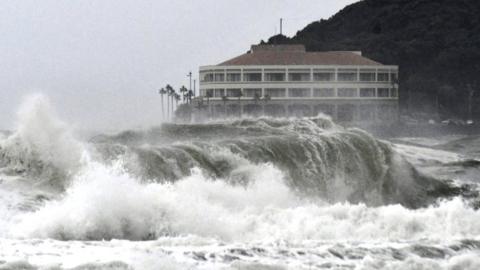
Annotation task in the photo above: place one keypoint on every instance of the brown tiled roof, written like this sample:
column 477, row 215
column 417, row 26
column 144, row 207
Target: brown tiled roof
column 296, row 55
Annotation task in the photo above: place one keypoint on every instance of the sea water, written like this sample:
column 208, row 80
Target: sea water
column 236, row 194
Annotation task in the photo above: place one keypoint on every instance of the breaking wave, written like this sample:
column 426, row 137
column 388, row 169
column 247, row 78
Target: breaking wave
column 41, row 146
column 112, row 205
column 318, row 159
column 235, row 180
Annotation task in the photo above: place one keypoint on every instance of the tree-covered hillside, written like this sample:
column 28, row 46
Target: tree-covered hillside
column 436, row 43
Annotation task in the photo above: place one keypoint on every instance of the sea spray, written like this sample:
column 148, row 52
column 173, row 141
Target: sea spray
column 42, row 146
column 318, row 159
column 240, row 194
column 111, row 204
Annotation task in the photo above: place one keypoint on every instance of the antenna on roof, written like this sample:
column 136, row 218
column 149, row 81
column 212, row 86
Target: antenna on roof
column 281, row 24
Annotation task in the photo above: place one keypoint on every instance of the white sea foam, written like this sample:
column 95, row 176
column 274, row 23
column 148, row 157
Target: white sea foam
column 105, row 202
column 205, row 223
column 112, row 204
column 420, row 155
column 468, row 261
column 40, row 137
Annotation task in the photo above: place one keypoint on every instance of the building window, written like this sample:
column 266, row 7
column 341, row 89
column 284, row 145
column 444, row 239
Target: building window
column 347, row 92
column 324, row 76
column 367, row 92
column 394, row 92
column 233, row 92
column 367, row 76
column 383, row 92
column 219, row 93
column 219, row 77
column 383, row 77
column 206, row 77
column 347, row 75
column 207, row 92
column 275, row 92
column 234, row 77
column 299, row 76
column 394, row 77
column 299, row 92
column 367, row 112
column 324, row 92
column 345, row 112
column 250, row 92
column 252, row 77
column 275, row 77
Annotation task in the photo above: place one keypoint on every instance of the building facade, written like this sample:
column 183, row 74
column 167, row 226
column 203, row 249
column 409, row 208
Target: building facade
column 286, row 80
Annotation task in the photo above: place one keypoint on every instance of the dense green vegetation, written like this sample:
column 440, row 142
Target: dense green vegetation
column 436, row 43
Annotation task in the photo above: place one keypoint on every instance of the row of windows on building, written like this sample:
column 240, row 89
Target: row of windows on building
column 331, row 75
column 341, row 112
column 302, row 92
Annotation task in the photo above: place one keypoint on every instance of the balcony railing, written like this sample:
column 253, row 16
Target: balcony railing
column 299, row 76
column 302, row 93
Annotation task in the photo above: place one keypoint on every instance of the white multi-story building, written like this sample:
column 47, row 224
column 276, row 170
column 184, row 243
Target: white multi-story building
column 286, row 80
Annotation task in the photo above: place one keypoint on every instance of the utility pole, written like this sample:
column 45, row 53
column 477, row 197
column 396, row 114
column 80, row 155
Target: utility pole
column 190, row 76
column 194, row 88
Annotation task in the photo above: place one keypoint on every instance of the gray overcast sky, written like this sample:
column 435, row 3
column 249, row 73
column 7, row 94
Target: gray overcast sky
column 100, row 62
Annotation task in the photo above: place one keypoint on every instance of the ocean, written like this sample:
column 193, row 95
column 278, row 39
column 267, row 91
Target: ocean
column 254, row 193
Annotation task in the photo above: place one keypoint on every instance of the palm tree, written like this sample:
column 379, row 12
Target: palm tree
column 172, row 96
column 225, row 99
column 183, row 90
column 162, row 92
column 168, row 105
column 170, row 91
column 190, row 95
column 177, row 99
